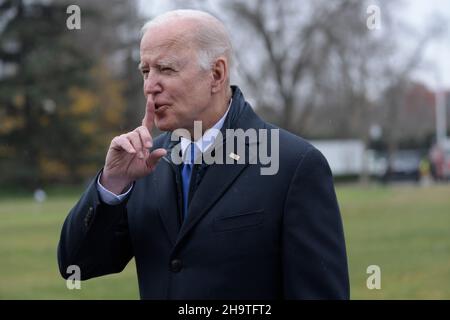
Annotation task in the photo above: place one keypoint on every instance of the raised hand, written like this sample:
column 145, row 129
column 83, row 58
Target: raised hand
column 128, row 156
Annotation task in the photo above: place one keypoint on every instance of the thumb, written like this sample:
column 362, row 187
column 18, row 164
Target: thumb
column 154, row 157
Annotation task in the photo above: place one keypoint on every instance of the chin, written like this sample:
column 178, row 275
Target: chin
column 165, row 125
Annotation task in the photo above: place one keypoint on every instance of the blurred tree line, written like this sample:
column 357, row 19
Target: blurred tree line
column 64, row 93
column 312, row 67
column 316, row 68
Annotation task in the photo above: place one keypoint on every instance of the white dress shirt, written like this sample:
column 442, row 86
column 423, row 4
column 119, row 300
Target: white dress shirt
column 201, row 144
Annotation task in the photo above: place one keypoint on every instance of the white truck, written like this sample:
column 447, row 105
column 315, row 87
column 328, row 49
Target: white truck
column 349, row 157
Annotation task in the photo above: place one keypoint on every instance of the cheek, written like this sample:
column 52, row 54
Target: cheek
column 185, row 94
column 198, row 90
column 190, row 94
column 197, row 82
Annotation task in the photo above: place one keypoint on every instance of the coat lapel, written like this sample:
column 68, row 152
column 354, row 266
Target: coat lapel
column 216, row 181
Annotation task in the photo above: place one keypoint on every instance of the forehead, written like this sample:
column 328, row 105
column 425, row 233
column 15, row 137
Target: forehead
column 160, row 42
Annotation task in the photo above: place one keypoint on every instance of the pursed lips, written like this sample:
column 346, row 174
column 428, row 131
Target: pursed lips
column 160, row 106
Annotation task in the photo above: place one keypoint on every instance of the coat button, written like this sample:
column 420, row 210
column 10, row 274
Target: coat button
column 176, row 265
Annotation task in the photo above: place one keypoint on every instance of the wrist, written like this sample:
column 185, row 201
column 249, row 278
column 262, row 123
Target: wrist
column 114, row 185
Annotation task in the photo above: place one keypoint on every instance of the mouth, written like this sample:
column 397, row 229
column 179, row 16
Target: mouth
column 160, row 107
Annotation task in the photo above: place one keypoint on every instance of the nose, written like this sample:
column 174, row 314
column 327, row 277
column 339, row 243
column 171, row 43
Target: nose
column 152, row 84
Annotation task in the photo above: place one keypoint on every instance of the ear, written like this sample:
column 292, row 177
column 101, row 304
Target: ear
column 219, row 74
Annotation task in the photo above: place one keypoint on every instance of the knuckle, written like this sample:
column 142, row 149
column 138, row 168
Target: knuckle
column 132, row 135
column 144, row 132
column 116, row 140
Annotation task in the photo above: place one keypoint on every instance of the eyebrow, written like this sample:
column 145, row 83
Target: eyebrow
column 170, row 61
column 171, row 43
column 167, row 61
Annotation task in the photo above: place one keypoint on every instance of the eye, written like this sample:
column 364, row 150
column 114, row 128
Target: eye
column 144, row 73
column 166, row 69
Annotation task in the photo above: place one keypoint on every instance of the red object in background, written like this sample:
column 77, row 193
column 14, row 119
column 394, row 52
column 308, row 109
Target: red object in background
column 440, row 160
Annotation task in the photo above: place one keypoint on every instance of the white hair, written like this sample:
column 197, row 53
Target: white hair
column 211, row 36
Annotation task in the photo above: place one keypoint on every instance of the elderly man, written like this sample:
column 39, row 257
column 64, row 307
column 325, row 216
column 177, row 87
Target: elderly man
column 197, row 230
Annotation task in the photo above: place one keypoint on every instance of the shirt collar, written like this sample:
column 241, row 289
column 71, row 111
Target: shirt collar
column 208, row 137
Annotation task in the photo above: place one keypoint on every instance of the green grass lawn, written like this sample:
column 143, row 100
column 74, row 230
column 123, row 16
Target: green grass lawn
column 404, row 230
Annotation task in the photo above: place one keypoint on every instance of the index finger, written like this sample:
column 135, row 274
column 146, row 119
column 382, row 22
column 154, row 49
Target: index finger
column 149, row 114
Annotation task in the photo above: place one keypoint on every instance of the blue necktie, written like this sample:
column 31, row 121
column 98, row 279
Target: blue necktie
column 186, row 172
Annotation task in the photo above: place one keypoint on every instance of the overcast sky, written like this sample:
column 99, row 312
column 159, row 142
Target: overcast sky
column 417, row 13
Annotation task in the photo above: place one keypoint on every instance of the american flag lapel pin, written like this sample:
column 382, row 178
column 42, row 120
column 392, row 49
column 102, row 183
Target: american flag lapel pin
column 234, row 156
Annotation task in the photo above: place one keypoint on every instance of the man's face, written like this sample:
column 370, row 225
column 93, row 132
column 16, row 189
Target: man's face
column 173, row 80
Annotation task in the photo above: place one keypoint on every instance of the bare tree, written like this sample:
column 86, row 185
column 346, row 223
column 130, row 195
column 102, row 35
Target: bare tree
column 297, row 45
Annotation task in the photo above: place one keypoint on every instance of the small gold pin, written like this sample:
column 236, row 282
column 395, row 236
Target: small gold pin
column 234, row 156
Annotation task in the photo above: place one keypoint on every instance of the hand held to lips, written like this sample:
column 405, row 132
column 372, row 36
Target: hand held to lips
column 128, row 156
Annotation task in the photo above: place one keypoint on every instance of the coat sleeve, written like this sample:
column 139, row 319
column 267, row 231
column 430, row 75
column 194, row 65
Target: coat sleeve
column 95, row 237
column 314, row 254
